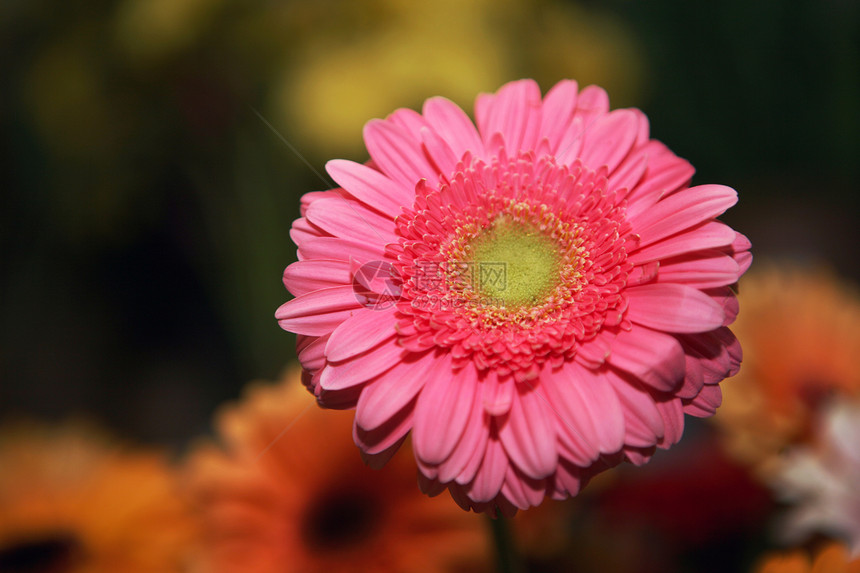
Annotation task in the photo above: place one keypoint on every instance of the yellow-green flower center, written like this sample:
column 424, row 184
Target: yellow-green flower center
column 515, row 264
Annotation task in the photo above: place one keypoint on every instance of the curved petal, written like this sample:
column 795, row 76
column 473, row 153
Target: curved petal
column 362, row 331
column 443, row 159
column 667, row 173
column 342, row 249
column 349, row 373
column 465, row 460
column 454, row 126
column 681, row 211
column 593, row 102
column 385, row 438
column 672, row 412
column 642, row 421
column 307, row 276
column 491, row 475
column 318, row 312
column 705, row 403
column 442, row 411
column 350, row 219
column 528, row 434
column 673, row 308
column 514, row 111
column 705, row 269
column 740, row 250
column 710, row 235
column 381, row 399
column 497, row 394
column 311, row 351
column 371, row 186
column 521, row 490
column 654, row 357
column 397, row 154
column 588, row 408
column 558, row 107
column 302, row 232
column 609, row 140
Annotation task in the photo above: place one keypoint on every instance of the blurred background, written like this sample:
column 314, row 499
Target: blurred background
column 146, row 198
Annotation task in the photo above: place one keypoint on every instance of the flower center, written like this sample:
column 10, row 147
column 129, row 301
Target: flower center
column 515, row 264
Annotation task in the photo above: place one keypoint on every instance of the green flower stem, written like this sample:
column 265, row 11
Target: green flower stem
column 507, row 557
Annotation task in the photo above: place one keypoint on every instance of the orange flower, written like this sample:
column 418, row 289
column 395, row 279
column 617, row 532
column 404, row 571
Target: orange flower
column 289, row 492
column 833, row 558
column 800, row 331
column 73, row 502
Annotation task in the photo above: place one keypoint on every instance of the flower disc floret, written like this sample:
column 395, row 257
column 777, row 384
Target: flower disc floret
column 452, row 296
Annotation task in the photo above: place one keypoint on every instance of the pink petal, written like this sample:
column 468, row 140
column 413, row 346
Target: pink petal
column 593, row 102
column 497, row 394
column 672, row 412
column 454, row 126
column 673, row 308
column 570, row 142
column 710, row 235
column 654, row 357
column 725, row 297
column 409, row 120
column 371, row 187
column 362, row 331
column 388, row 393
column 514, row 111
column 718, row 353
column 377, row 461
column 585, row 402
column 442, row 158
column 609, row 140
column 430, row 486
column 558, row 107
column 694, row 378
column 681, row 211
column 705, row 404
column 442, row 411
column 311, row 351
column 642, row 421
column 567, row 480
column 572, row 446
column 639, row 456
column 397, row 154
column 342, row 375
column 700, row 270
column 306, row 276
column 465, row 460
column 594, row 352
column 741, row 247
column 576, row 428
column 342, row 249
column 345, row 399
column 302, row 232
column 523, row 491
column 629, row 173
column 528, row 434
column 350, row 219
column 666, row 174
column 491, row 475
column 383, row 438
column 318, row 312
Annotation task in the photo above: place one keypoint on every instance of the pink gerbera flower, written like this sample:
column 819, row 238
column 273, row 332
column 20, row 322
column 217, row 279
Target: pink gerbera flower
column 535, row 299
